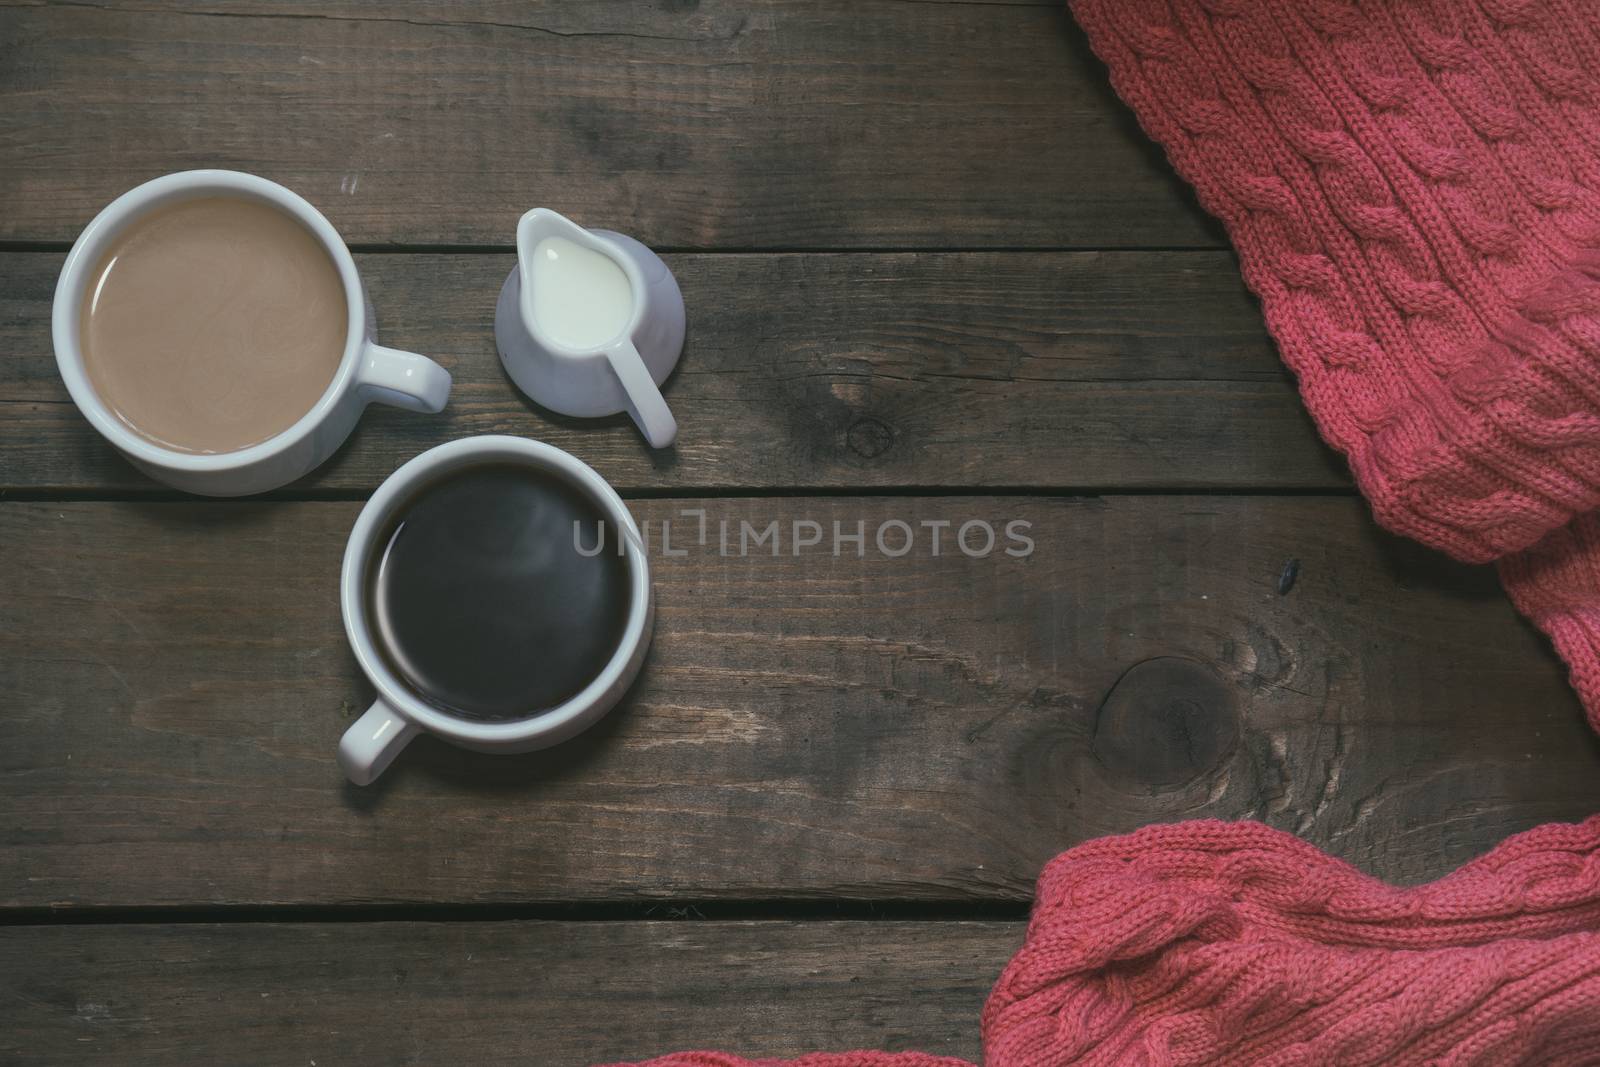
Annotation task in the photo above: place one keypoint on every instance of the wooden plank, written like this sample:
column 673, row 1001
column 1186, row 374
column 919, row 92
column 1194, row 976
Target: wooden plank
column 175, row 678
column 711, row 124
column 1021, row 370
column 557, row 994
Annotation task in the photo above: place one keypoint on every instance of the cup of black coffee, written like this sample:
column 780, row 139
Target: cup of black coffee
column 496, row 592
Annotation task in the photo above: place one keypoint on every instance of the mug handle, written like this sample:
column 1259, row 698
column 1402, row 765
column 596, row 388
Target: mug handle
column 373, row 741
column 645, row 402
column 403, row 379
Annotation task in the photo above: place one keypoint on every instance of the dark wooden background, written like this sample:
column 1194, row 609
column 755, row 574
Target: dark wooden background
column 933, row 272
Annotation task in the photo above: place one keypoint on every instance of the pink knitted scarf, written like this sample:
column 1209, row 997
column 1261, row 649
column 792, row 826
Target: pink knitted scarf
column 1413, row 188
column 1237, row 944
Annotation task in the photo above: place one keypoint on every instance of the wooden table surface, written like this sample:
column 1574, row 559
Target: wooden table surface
column 934, row 273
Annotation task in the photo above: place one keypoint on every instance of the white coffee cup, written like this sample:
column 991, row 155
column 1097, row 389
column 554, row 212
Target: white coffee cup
column 368, row 372
column 398, row 715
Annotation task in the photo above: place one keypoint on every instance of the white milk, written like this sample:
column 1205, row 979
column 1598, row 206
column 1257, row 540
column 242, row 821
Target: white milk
column 581, row 298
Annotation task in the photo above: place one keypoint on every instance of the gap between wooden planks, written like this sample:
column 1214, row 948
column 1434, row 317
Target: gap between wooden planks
column 986, row 371
column 556, row 994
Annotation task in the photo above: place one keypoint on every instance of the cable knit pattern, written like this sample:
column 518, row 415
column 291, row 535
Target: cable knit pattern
column 1413, row 187
column 821, row 1059
column 1218, row 943
column 1554, row 584
column 1212, row 943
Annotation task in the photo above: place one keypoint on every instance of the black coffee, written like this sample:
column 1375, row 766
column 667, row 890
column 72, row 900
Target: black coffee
column 481, row 600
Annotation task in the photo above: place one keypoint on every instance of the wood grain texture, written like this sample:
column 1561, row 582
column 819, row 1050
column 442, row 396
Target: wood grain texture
column 176, row 676
column 555, row 994
column 715, row 124
column 1081, row 370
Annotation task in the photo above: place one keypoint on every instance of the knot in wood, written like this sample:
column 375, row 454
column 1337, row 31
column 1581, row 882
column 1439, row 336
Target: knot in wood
column 1166, row 722
column 869, row 438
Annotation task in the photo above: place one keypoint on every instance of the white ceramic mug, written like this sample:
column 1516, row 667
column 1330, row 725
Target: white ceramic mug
column 398, row 715
column 624, row 374
column 368, row 372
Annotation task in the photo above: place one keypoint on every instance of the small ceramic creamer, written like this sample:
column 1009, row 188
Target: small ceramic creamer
column 590, row 323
